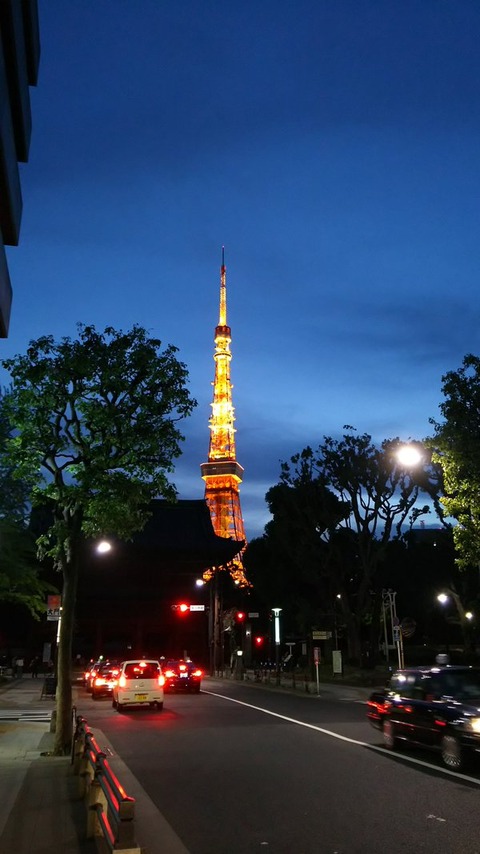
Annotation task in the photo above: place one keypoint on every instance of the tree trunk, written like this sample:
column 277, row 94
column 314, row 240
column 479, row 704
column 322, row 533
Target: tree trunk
column 353, row 639
column 64, row 724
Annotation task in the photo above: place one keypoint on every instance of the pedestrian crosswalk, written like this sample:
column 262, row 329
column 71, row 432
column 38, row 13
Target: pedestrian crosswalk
column 23, row 715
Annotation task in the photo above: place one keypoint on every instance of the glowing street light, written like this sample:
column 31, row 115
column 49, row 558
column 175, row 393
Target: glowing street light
column 442, row 598
column 103, row 547
column 409, row 455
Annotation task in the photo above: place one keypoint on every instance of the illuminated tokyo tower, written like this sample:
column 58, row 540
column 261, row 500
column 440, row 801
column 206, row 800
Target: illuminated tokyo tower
column 222, row 473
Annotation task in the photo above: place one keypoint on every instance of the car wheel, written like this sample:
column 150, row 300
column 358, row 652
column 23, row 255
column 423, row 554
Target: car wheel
column 453, row 755
column 94, row 696
column 120, row 707
column 159, row 706
column 114, row 703
column 389, row 738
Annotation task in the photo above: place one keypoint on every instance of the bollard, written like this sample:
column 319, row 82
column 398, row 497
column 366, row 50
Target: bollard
column 53, row 721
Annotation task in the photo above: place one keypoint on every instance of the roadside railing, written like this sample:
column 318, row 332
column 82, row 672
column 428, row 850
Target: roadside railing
column 110, row 811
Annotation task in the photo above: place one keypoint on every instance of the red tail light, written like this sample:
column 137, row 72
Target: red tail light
column 99, row 680
column 122, row 682
column 161, row 680
column 197, row 672
column 169, row 673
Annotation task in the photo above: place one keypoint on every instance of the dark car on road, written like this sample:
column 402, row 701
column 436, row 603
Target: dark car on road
column 431, row 707
column 94, row 669
column 104, row 680
column 182, row 675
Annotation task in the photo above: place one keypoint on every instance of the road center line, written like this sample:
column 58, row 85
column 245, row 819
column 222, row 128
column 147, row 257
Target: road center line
column 329, row 732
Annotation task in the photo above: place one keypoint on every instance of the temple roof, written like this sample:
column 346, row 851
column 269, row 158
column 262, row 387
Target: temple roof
column 184, row 531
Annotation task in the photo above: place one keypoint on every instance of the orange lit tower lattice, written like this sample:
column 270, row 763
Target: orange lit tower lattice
column 222, row 473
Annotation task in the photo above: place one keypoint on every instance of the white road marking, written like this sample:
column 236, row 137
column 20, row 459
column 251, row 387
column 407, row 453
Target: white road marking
column 337, row 735
column 25, row 715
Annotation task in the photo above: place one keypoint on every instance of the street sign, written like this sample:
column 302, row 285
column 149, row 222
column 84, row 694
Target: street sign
column 316, row 654
column 396, row 634
column 197, row 607
column 253, row 614
column 54, row 604
column 321, row 635
column 337, row 661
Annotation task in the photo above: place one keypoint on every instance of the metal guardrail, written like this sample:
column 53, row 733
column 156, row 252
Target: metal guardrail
column 110, row 811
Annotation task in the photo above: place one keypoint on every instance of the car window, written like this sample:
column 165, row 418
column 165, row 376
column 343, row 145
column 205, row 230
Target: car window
column 138, row 670
column 108, row 671
column 461, row 685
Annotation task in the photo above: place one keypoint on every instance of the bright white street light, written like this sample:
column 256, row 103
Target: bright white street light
column 468, row 615
column 442, row 598
column 408, row 455
column 103, row 547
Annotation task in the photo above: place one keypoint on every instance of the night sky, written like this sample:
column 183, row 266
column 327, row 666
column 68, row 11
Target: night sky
column 332, row 147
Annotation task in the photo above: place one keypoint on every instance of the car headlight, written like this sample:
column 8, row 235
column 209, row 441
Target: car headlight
column 474, row 724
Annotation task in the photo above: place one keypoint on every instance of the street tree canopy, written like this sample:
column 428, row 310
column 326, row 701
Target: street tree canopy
column 456, row 447
column 335, row 512
column 94, row 432
column 20, row 572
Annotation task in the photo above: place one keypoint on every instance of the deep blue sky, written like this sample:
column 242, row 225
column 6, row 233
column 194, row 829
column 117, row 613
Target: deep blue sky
column 332, row 146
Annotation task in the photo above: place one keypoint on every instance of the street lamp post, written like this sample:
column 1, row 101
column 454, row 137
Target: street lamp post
column 276, row 615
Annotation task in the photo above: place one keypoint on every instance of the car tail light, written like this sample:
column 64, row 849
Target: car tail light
column 99, row 680
column 182, row 667
column 161, row 680
column 197, row 672
column 122, row 682
column 169, row 673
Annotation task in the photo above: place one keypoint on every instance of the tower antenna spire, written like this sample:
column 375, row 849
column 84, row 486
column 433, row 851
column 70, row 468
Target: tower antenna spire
column 222, row 319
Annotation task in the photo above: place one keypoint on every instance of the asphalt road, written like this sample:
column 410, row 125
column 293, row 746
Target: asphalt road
column 238, row 769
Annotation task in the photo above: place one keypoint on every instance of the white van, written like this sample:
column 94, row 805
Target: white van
column 139, row 683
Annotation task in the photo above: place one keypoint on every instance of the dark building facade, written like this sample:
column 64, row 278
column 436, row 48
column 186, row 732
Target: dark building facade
column 19, row 60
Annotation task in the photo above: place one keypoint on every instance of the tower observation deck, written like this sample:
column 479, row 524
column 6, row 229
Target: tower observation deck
column 222, row 473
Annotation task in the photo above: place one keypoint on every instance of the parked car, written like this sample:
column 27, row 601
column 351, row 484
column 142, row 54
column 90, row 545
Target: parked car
column 431, row 707
column 182, row 675
column 104, row 680
column 140, row 683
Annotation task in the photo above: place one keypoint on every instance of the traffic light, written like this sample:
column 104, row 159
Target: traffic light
column 181, row 608
column 259, row 641
column 240, row 616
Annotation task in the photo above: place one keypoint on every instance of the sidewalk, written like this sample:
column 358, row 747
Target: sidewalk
column 39, row 811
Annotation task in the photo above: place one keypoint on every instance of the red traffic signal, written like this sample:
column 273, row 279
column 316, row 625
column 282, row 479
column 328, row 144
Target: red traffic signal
column 259, row 640
column 240, row 616
column 182, row 608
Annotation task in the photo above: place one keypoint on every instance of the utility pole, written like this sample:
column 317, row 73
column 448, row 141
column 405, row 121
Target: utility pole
column 389, row 608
